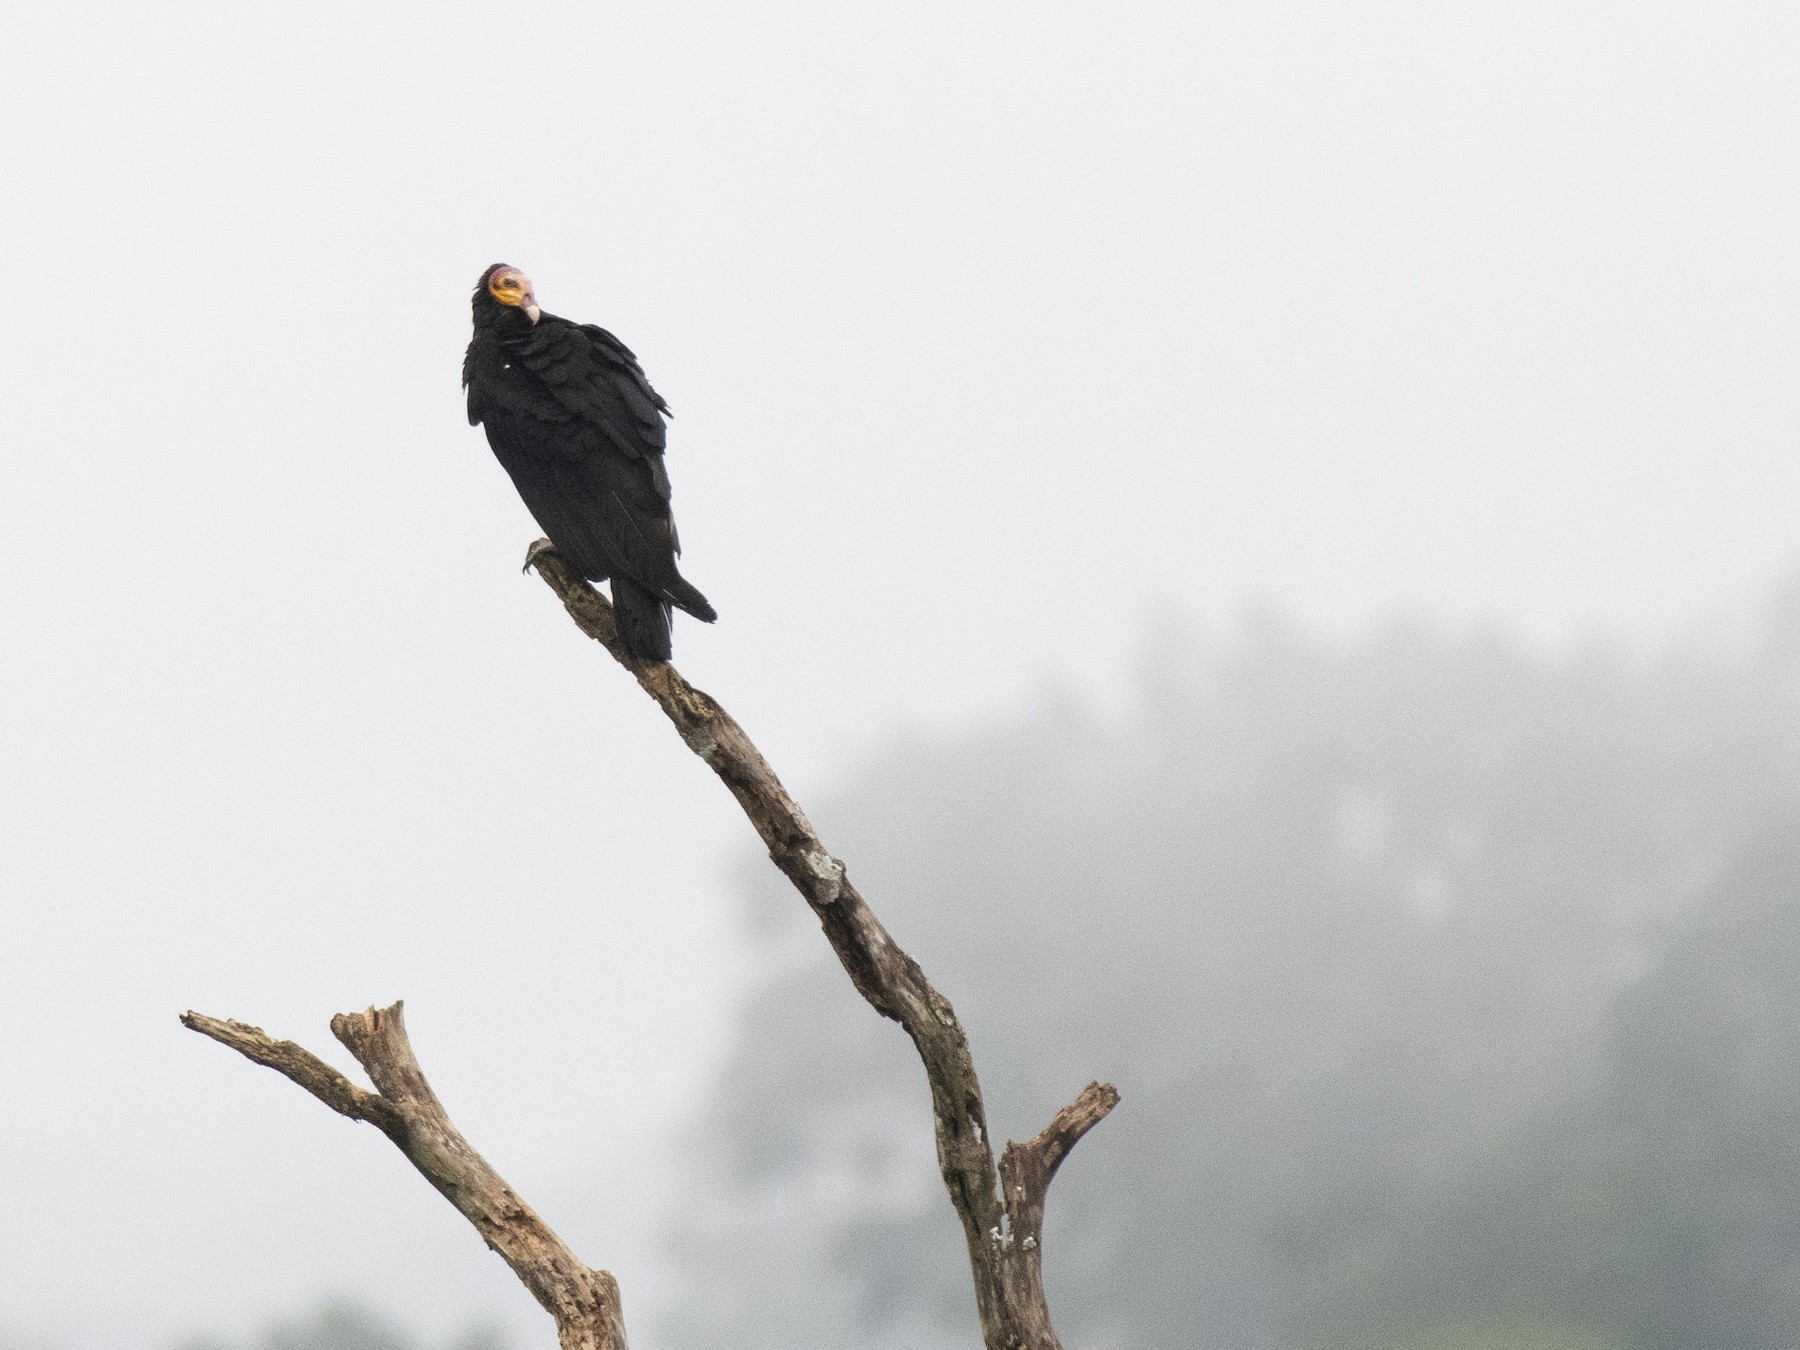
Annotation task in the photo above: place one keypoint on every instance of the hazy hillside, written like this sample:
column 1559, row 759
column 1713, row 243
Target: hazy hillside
column 1396, row 948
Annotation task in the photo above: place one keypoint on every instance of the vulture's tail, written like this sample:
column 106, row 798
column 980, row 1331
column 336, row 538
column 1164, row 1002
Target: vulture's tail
column 682, row 595
column 644, row 615
column 643, row 620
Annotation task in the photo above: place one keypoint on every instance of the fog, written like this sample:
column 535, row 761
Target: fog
column 1016, row 353
column 1450, row 990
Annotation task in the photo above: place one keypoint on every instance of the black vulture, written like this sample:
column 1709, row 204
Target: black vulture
column 572, row 419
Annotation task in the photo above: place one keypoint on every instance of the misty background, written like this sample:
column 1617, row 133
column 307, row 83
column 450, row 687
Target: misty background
column 1264, row 535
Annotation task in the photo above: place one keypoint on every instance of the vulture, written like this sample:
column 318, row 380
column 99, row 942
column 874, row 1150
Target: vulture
column 578, row 428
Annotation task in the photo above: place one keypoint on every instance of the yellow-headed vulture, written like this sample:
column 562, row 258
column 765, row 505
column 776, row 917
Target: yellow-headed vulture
column 571, row 417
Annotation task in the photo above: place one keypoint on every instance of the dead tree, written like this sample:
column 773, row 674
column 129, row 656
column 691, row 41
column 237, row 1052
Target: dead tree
column 584, row 1302
column 1001, row 1208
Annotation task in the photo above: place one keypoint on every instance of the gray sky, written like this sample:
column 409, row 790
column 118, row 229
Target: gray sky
column 993, row 331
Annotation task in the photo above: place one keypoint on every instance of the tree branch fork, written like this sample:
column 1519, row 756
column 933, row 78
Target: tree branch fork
column 584, row 1302
column 1001, row 1207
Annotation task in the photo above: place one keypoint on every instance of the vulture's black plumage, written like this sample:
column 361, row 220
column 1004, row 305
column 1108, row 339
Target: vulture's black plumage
column 571, row 417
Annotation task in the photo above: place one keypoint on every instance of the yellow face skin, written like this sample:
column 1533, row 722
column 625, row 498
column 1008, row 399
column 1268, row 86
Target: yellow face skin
column 513, row 287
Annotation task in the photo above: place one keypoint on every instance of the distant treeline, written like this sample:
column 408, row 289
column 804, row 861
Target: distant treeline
column 341, row 1325
column 1453, row 989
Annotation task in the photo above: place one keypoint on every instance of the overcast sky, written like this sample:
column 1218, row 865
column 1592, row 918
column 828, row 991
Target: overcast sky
column 993, row 331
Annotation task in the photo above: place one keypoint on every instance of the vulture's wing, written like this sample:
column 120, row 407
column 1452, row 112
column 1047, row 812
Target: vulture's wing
column 617, row 432
column 594, row 377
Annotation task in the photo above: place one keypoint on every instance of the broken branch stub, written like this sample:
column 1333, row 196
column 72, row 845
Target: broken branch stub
column 584, row 1302
column 1001, row 1210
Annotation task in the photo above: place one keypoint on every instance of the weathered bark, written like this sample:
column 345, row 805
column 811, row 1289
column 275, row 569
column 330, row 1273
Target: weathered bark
column 1001, row 1211
column 584, row 1302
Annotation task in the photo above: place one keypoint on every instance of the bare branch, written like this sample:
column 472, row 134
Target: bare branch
column 1026, row 1171
column 299, row 1064
column 584, row 1302
column 1006, row 1262
column 1052, row 1143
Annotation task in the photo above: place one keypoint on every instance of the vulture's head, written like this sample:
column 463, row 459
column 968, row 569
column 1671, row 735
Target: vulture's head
column 506, row 285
